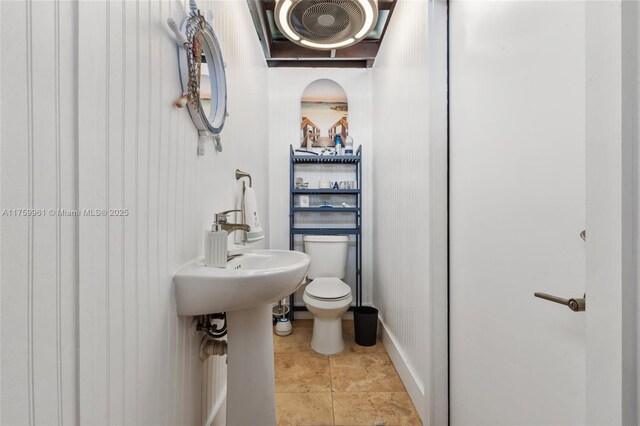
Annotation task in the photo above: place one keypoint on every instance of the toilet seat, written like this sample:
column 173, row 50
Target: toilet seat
column 328, row 289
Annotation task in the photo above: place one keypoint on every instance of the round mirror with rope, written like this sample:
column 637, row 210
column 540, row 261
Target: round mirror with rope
column 203, row 78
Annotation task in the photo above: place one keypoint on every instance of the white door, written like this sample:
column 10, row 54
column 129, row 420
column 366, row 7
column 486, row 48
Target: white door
column 544, row 107
column 517, row 207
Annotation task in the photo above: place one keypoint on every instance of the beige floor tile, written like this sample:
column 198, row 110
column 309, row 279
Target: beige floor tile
column 364, row 372
column 302, row 372
column 298, row 341
column 347, row 326
column 309, row 408
column 368, row 408
column 303, row 323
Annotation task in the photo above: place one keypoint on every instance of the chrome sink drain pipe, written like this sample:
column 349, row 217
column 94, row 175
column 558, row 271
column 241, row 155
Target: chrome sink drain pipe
column 211, row 344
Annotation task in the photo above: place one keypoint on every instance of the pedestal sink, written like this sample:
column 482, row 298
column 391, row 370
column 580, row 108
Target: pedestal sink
column 244, row 290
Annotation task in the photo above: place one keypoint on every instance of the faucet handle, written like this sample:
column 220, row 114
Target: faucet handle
column 222, row 216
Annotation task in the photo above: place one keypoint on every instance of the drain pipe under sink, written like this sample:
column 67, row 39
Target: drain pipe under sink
column 210, row 347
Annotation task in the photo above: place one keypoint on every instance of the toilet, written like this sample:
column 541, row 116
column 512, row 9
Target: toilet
column 327, row 297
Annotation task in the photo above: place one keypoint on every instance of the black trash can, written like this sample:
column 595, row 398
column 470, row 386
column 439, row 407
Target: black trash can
column 365, row 322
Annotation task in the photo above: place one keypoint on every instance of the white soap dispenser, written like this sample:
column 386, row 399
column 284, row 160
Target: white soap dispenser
column 215, row 246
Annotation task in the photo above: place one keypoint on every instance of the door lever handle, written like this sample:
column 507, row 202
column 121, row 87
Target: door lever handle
column 576, row 305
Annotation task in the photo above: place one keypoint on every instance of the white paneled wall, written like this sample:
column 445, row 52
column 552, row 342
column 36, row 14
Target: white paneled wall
column 100, row 288
column 137, row 151
column 401, row 225
column 286, row 86
column 39, row 254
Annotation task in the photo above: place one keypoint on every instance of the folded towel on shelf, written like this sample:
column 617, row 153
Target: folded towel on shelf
column 249, row 207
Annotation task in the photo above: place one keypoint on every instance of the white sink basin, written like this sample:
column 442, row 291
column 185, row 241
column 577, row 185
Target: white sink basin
column 254, row 278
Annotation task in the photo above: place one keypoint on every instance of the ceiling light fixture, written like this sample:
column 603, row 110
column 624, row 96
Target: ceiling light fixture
column 282, row 14
column 326, row 24
column 368, row 18
column 328, row 46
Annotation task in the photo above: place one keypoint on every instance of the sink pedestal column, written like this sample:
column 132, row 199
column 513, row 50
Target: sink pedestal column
column 250, row 371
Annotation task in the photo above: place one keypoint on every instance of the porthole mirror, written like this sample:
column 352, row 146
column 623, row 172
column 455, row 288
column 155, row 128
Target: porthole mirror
column 202, row 73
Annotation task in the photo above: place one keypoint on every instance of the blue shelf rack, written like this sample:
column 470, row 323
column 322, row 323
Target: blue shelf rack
column 356, row 229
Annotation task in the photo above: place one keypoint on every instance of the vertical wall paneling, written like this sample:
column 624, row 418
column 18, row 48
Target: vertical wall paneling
column 30, row 225
column 400, row 114
column 68, row 199
column 94, row 336
column 149, row 165
column 57, row 107
column 89, row 326
column 39, row 254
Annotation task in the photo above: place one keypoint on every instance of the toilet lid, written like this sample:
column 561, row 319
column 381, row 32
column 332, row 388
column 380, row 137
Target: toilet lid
column 328, row 289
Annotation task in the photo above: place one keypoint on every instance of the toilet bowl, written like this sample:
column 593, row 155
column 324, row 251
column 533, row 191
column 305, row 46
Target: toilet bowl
column 327, row 297
column 327, row 307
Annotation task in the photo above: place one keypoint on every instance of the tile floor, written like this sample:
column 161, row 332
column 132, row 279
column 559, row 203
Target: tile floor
column 357, row 387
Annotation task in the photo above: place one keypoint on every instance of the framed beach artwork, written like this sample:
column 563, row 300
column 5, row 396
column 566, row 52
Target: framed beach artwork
column 324, row 114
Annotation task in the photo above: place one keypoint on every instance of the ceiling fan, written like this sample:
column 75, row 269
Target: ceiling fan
column 326, row 24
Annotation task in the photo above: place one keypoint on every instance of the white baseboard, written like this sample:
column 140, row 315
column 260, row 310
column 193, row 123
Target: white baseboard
column 407, row 373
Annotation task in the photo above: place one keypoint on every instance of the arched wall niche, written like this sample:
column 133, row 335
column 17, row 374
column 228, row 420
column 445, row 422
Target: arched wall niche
column 324, row 111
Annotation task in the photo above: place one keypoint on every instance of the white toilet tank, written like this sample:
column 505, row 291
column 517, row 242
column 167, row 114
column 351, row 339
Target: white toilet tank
column 328, row 255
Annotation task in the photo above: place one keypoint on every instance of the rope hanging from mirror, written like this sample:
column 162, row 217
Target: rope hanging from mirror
column 194, row 32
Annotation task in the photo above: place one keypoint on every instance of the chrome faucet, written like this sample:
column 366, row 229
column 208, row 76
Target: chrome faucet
column 220, row 224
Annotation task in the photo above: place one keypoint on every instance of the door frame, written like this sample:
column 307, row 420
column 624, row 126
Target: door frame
column 436, row 382
column 611, row 211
